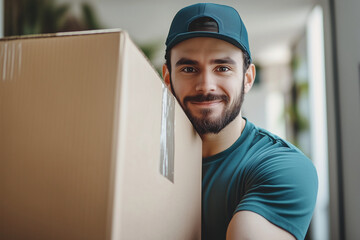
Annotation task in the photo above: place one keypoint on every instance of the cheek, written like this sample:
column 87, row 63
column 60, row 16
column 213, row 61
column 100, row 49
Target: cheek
column 230, row 87
column 182, row 88
column 180, row 91
column 233, row 91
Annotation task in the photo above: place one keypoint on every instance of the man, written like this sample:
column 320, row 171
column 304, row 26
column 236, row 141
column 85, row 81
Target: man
column 255, row 185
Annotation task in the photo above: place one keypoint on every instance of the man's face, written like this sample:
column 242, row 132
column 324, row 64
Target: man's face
column 207, row 77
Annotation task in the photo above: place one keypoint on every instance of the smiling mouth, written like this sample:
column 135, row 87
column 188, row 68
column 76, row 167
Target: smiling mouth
column 206, row 103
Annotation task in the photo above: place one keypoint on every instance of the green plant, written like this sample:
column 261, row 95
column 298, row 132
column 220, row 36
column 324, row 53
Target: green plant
column 24, row 17
column 300, row 87
column 150, row 50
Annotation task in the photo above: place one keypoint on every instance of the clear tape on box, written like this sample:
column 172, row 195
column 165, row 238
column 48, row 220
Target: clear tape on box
column 167, row 135
column 10, row 60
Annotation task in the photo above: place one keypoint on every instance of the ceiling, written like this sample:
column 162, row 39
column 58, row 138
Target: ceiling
column 273, row 25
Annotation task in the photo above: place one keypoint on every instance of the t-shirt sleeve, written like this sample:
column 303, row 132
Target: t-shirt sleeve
column 282, row 187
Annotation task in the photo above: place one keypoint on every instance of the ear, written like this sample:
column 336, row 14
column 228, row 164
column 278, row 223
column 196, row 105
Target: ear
column 249, row 78
column 166, row 76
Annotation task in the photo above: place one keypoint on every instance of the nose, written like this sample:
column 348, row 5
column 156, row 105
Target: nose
column 205, row 83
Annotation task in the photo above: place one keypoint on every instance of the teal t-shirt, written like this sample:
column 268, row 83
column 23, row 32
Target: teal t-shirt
column 261, row 173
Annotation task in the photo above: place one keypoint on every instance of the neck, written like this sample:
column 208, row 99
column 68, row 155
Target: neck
column 215, row 143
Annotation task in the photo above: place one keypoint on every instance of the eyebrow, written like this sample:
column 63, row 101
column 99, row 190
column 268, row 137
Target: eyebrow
column 226, row 60
column 186, row 61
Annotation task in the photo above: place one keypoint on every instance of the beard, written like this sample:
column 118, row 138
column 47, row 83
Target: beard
column 205, row 124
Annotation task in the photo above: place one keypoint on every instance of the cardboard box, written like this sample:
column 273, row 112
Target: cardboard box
column 80, row 150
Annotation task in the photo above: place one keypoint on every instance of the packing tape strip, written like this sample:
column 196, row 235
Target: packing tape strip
column 167, row 135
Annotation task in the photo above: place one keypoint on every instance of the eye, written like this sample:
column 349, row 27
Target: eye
column 188, row 70
column 222, row 69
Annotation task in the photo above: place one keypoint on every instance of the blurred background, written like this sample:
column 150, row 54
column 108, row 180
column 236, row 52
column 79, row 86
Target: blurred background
column 307, row 85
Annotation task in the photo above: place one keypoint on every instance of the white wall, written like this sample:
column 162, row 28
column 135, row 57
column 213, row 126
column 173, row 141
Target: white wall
column 343, row 104
column 348, row 51
column 334, row 191
column 318, row 121
column 264, row 105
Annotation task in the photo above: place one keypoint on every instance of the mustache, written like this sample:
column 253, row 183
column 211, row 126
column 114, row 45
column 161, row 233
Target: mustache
column 205, row 98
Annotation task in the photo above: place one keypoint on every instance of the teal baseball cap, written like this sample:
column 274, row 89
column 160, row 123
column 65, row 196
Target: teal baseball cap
column 208, row 20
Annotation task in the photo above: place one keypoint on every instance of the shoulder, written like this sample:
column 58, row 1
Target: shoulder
column 268, row 150
column 281, row 182
column 265, row 158
column 277, row 162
